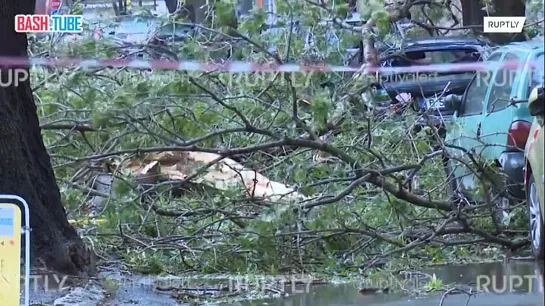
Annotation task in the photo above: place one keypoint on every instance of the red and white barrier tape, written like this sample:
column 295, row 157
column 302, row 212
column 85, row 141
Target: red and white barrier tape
column 238, row 66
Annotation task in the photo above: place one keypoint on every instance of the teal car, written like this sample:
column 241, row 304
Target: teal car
column 492, row 122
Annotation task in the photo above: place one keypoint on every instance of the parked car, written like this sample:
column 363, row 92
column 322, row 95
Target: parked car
column 130, row 29
column 534, row 172
column 352, row 55
column 130, row 32
column 492, row 121
column 429, row 90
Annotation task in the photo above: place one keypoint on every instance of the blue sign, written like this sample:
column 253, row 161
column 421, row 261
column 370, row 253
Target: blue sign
column 6, row 221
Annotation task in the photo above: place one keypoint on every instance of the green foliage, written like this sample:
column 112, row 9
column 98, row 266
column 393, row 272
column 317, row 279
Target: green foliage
column 190, row 226
column 382, row 21
column 321, row 109
column 368, row 7
column 342, row 9
column 225, row 13
column 435, row 284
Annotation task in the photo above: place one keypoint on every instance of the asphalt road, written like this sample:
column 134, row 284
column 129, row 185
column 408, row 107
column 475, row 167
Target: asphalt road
column 513, row 284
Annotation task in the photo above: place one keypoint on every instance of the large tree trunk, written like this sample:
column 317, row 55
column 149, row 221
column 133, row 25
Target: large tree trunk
column 171, row 5
column 473, row 14
column 508, row 8
column 25, row 167
column 197, row 9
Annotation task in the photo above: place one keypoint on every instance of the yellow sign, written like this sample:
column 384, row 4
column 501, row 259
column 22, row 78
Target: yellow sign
column 10, row 254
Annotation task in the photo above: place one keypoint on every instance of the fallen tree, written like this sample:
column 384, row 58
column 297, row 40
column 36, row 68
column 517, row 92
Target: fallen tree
column 353, row 171
column 25, row 167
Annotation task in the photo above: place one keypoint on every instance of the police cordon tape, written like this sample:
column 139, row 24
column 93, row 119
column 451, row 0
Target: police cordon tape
column 240, row 66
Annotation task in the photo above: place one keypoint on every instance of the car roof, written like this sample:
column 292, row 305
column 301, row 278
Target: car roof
column 437, row 43
column 429, row 41
column 533, row 46
column 535, row 43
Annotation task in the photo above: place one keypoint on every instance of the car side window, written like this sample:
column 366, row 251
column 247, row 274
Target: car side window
column 476, row 92
column 538, row 73
column 502, row 87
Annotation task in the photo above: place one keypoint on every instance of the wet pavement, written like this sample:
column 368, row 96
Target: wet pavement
column 517, row 283
column 513, row 284
column 345, row 296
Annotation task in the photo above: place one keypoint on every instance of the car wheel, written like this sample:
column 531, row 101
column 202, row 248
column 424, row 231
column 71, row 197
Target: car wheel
column 537, row 235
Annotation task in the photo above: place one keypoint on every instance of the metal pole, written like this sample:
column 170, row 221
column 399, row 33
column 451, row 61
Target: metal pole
column 27, row 243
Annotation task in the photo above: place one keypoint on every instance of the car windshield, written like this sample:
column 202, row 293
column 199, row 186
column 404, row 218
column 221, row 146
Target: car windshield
column 174, row 29
column 133, row 25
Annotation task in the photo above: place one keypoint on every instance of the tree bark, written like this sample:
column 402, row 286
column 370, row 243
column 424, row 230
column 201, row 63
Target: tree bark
column 197, row 9
column 473, row 14
column 171, row 5
column 508, row 8
column 25, row 166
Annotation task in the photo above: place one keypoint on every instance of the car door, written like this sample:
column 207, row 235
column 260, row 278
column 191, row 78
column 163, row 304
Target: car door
column 536, row 141
column 499, row 112
column 463, row 130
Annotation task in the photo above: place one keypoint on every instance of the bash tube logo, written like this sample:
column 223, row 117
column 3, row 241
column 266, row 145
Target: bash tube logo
column 46, row 23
